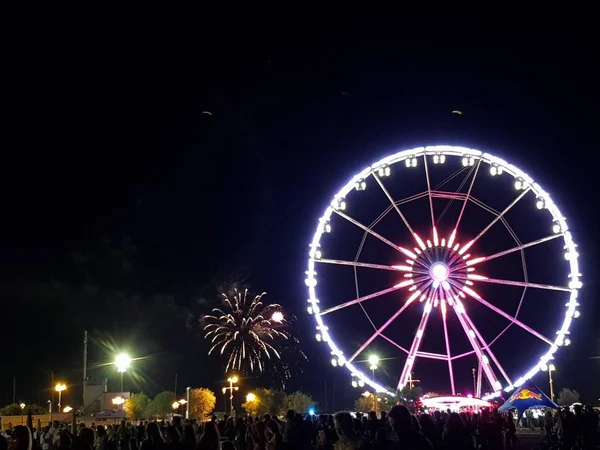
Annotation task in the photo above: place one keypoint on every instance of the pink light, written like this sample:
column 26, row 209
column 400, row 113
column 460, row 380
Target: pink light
column 403, row 268
column 466, row 247
column 428, row 243
column 419, row 241
column 470, row 291
column 451, row 240
column 407, row 252
column 474, row 276
column 435, row 237
column 476, row 260
column 404, row 283
column 412, row 297
column 439, row 272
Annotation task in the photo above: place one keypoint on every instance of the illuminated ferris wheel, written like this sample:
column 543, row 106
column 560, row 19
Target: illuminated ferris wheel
column 449, row 242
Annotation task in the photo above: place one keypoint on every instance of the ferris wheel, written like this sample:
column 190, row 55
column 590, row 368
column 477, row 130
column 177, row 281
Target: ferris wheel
column 432, row 257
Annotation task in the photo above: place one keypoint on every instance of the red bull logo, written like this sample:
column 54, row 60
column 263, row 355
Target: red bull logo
column 526, row 394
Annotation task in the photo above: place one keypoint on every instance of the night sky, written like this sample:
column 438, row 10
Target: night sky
column 125, row 207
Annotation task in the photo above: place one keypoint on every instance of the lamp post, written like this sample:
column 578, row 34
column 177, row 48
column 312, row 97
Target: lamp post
column 232, row 380
column 251, row 397
column 367, row 394
column 60, row 387
column 373, row 361
column 67, row 409
column 550, row 368
column 22, row 405
column 122, row 361
column 187, row 402
column 182, row 402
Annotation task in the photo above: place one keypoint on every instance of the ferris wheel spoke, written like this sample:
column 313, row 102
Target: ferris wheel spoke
column 367, row 229
column 398, row 268
column 481, row 259
column 462, row 209
column 394, row 343
column 380, row 330
column 489, row 373
column 514, row 283
column 471, row 293
column 448, row 353
column 414, row 348
column 429, row 192
column 393, row 202
column 487, row 347
column 366, row 297
column 496, row 219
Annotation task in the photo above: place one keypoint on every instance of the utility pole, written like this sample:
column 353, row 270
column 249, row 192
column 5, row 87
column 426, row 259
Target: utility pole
column 474, row 382
column 14, row 390
column 176, row 384
column 85, row 343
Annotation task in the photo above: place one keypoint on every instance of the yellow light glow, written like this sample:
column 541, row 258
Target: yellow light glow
column 250, row 397
column 60, row 387
column 67, row 409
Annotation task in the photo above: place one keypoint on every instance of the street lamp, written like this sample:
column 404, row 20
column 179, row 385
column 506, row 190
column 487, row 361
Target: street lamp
column 550, row 368
column 175, row 405
column 367, row 394
column 118, row 401
column 182, row 402
column 187, row 408
column 60, row 387
column 232, row 380
column 22, row 405
column 250, row 397
column 67, row 409
column 373, row 361
column 122, row 361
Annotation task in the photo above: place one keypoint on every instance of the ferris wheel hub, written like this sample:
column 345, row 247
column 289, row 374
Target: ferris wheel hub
column 439, row 272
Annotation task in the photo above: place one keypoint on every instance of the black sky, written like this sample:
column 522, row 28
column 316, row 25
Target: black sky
column 105, row 136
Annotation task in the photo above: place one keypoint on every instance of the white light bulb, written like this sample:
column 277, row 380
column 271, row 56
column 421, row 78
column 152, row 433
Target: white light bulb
column 493, row 170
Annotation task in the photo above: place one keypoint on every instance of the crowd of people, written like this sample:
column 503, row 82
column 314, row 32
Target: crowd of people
column 398, row 429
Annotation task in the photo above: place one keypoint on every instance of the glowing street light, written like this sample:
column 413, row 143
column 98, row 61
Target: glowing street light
column 550, row 368
column 60, row 387
column 175, row 405
column 22, row 405
column 67, row 409
column 373, row 361
column 122, row 361
column 232, row 380
column 118, row 401
column 250, row 397
column 277, row 317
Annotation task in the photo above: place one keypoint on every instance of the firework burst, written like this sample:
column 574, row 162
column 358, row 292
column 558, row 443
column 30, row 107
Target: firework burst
column 246, row 331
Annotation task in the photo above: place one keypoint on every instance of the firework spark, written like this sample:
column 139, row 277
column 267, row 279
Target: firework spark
column 246, row 331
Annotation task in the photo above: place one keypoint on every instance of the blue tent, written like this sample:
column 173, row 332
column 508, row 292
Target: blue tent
column 525, row 398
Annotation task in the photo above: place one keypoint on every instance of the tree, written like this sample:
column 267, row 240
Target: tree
column 202, row 403
column 299, row 402
column 267, row 401
column 364, row 404
column 136, row 406
column 409, row 395
column 567, row 397
column 161, row 405
column 12, row 410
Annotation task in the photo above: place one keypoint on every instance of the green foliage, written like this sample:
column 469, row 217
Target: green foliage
column 161, row 405
column 15, row 410
column 202, row 403
column 299, row 402
column 408, row 395
column 136, row 407
column 567, row 397
column 276, row 403
column 363, row 404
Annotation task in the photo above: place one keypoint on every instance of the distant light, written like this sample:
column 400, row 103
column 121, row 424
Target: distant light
column 277, row 317
column 118, row 401
column 311, row 411
column 22, row 405
column 373, row 360
column 122, row 361
column 67, row 409
column 250, row 397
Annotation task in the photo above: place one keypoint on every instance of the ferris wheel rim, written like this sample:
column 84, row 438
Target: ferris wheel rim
column 472, row 154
